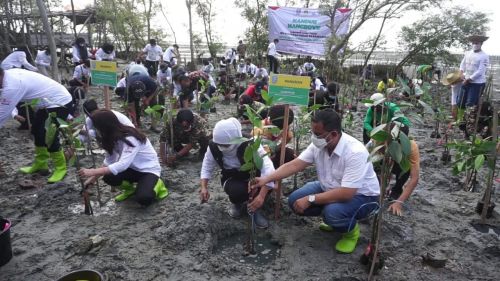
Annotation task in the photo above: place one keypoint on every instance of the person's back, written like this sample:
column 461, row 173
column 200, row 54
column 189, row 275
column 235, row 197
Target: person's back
column 17, row 59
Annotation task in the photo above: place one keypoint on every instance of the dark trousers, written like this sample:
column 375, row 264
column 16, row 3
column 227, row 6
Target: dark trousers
column 144, row 192
column 273, row 63
column 469, row 95
column 22, row 112
column 38, row 126
column 152, row 67
column 366, row 137
column 184, row 139
column 236, row 189
column 401, row 179
column 289, row 156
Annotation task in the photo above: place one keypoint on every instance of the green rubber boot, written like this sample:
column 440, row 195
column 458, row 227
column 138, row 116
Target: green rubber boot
column 127, row 190
column 160, row 189
column 40, row 164
column 347, row 243
column 60, row 170
column 325, row 227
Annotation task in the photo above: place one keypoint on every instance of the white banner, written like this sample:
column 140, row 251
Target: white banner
column 304, row 31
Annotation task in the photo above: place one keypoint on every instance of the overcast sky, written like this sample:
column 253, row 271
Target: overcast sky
column 230, row 26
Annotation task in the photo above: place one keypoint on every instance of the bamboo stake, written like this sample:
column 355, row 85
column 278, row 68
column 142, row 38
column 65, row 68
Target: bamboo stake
column 491, row 175
column 284, row 135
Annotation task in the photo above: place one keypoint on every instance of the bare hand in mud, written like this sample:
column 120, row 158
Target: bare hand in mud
column 256, row 204
column 396, row 209
column 90, row 181
column 301, row 205
column 204, row 195
column 86, row 173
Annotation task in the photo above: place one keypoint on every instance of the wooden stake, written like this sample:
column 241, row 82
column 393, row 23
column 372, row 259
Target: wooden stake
column 491, row 175
column 107, row 103
column 284, row 136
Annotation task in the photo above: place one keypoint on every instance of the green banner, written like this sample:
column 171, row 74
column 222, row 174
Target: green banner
column 290, row 89
column 103, row 78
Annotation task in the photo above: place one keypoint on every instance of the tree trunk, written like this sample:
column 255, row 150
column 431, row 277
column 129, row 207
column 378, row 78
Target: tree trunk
column 191, row 47
column 74, row 18
column 50, row 38
column 375, row 42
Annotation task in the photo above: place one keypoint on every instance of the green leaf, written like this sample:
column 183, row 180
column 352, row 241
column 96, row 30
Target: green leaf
column 381, row 136
column 248, row 154
column 149, row 110
column 395, row 151
column 375, row 158
column 377, row 129
column 72, row 160
column 258, row 161
column 246, row 167
column 158, row 107
column 405, row 165
column 367, row 101
column 62, row 122
column 238, row 140
column 405, row 143
column 426, row 107
column 50, row 134
column 460, row 166
column 478, row 162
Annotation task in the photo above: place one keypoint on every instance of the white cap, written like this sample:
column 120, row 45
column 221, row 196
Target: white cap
column 375, row 97
column 226, row 130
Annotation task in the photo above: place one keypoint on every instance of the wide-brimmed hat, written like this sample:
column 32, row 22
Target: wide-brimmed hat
column 374, row 98
column 477, row 37
column 452, row 78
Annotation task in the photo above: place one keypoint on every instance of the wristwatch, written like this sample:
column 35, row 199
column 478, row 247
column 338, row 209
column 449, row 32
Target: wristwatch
column 311, row 198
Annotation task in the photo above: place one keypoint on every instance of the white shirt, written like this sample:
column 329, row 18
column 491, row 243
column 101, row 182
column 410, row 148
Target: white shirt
column 23, row 85
column 318, row 85
column 17, row 59
column 346, row 167
column 43, row 59
column 164, row 78
column 122, row 83
column 142, row 157
column 208, row 69
column 309, row 66
column 76, row 54
column 90, row 125
column 101, row 55
column 132, row 69
column 251, row 69
column 230, row 55
column 169, row 54
column 231, row 161
column 474, row 66
column 261, row 72
column 271, row 49
column 455, row 91
column 81, row 72
column 153, row 52
column 242, row 68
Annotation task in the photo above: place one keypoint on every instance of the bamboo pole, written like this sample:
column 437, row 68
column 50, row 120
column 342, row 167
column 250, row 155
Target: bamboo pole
column 284, row 136
column 491, row 175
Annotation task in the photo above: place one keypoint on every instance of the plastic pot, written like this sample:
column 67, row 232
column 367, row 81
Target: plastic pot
column 5, row 244
column 85, row 274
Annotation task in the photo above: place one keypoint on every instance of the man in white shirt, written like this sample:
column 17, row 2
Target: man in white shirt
column 153, row 54
column 261, row 72
column 221, row 153
column 272, row 56
column 171, row 55
column 309, row 67
column 43, row 61
column 21, row 85
column 18, row 59
column 473, row 67
column 106, row 52
column 251, row 68
column 347, row 188
column 231, row 56
column 81, row 76
column 241, row 72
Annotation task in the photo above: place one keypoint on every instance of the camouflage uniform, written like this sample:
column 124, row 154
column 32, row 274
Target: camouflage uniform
column 197, row 136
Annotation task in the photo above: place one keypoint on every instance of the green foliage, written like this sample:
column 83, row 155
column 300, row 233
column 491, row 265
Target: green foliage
column 255, row 12
column 434, row 35
column 471, row 155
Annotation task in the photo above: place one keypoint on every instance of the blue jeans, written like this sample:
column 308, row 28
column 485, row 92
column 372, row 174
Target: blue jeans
column 469, row 95
column 342, row 216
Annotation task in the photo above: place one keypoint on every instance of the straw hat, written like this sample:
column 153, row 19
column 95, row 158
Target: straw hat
column 477, row 38
column 452, row 78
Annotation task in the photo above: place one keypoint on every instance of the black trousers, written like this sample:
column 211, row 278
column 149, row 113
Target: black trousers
column 144, row 192
column 184, row 139
column 22, row 112
column 236, row 189
column 38, row 126
column 152, row 67
column 401, row 179
column 289, row 156
column 273, row 63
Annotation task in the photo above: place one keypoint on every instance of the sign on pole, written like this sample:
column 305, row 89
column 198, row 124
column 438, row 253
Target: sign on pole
column 290, row 89
column 103, row 73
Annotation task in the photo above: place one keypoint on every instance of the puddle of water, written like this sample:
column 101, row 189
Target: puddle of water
column 107, row 209
column 484, row 228
column 233, row 246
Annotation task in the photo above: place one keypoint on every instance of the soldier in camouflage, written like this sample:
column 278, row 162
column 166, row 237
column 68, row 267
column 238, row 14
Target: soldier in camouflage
column 187, row 131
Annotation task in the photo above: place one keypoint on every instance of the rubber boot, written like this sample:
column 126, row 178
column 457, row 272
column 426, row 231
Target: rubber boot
column 235, row 211
column 40, row 164
column 127, row 190
column 160, row 189
column 60, row 170
column 347, row 243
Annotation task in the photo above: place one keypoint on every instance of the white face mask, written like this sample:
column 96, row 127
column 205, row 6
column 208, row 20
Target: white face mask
column 476, row 47
column 226, row 148
column 318, row 142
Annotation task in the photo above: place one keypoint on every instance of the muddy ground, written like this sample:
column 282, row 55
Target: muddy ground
column 180, row 239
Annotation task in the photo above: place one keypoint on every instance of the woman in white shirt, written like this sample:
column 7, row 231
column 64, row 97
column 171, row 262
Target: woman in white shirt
column 43, row 60
column 130, row 158
column 80, row 52
column 106, row 52
column 20, row 58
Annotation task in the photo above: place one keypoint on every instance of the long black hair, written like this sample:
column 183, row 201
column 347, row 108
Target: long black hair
column 82, row 50
column 110, row 130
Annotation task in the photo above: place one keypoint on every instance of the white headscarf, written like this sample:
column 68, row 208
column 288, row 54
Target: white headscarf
column 226, row 130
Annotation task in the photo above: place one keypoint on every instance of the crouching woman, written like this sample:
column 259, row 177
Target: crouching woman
column 130, row 158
